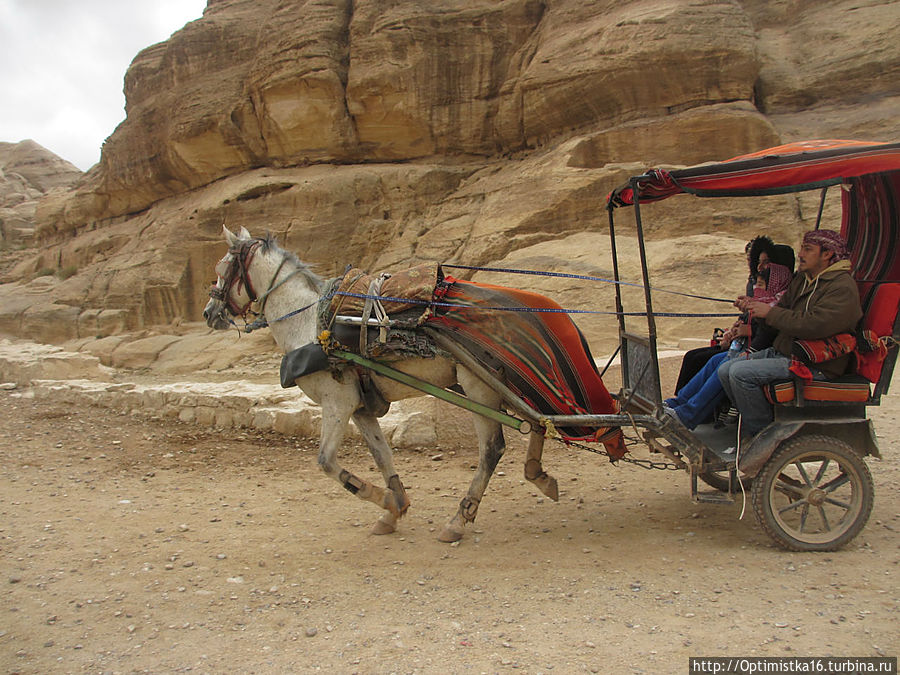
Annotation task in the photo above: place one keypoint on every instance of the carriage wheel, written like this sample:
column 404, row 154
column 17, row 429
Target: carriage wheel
column 814, row 494
column 719, row 480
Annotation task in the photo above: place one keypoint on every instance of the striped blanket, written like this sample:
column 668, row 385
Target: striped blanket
column 542, row 356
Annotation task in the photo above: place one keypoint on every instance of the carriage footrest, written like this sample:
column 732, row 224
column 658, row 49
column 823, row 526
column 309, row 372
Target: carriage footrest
column 713, row 497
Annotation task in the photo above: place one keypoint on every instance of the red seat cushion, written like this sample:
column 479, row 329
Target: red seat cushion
column 879, row 318
column 845, row 390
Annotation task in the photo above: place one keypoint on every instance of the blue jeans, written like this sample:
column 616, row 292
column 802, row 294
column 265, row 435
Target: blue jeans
column 697, row 400
column 743, row 380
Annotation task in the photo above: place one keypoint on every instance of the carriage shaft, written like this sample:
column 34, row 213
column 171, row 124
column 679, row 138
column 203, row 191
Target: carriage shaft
column 522, row 426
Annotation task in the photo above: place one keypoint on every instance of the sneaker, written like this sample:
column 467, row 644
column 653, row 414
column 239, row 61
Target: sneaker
column 671, row 412
column 727, row 417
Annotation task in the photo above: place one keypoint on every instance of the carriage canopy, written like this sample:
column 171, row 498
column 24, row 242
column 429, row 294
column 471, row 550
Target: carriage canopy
column 869, row 173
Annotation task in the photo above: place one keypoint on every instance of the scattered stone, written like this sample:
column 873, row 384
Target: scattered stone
column 312, row 632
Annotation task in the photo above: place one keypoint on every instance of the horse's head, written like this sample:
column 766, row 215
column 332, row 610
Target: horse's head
column 233, row 292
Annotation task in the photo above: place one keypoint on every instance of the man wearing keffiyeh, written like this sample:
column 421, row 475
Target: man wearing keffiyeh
column 821, row 301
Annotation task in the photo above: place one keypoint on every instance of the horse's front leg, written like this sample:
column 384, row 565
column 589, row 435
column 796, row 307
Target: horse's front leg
column 337, row 407
column 491, row 446
column 381, row 452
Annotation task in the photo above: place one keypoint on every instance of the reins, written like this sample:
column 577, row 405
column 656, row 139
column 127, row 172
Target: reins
column 244, row 256
column 566, row 275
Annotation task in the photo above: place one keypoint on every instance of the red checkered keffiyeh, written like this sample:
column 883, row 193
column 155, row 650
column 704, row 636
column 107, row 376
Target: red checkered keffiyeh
column 830, row 240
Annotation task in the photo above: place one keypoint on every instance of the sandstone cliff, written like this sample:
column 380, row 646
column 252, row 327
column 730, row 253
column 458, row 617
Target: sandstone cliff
column 382, row 133
column 27, row 173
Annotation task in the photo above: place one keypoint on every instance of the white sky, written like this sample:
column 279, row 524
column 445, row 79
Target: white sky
column 63, row 63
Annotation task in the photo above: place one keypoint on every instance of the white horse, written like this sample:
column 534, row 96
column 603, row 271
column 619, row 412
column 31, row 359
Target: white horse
column 287, row 285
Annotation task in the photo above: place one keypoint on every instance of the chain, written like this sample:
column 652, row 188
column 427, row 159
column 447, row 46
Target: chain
column 643, row 463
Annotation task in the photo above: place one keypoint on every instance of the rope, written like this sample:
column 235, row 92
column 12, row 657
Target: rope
column 262, row 323
column 547, row 310
column 566, row 275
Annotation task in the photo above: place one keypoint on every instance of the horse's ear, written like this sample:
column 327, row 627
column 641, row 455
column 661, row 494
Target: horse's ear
column 245, row 234
column 230, row 237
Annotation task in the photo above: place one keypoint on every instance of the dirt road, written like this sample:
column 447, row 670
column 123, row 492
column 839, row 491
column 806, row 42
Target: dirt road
column 130, row 544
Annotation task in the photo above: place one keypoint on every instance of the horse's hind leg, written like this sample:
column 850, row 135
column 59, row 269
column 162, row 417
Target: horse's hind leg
column 381, row 452
column 491, row 446
column 534, row 471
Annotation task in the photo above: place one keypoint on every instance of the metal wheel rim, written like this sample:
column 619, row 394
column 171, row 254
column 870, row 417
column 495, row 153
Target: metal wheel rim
column 816, row 497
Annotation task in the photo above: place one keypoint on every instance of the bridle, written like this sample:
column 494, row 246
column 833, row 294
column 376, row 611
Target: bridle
column 237, row 274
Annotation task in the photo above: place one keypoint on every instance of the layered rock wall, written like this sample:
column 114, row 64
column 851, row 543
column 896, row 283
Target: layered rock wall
column 27, row 173
column 381, row 133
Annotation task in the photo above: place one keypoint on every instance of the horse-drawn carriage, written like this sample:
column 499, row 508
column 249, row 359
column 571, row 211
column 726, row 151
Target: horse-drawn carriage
column 809, row 485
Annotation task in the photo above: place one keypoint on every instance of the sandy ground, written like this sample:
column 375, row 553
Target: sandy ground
column 135, row 545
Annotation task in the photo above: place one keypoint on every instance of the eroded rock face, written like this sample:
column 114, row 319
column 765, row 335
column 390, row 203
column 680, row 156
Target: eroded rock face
column 380, row 134
column 280, row 83
column 27, row 173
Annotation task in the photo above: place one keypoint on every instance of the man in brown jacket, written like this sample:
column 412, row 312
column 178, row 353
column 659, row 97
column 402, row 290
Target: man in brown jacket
column 821, row 301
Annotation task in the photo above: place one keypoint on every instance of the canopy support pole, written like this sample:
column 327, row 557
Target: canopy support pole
column 821, row 207
column 653, row 363
column 615, row 261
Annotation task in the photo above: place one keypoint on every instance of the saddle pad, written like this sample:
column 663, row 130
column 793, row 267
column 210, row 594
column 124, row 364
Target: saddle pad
column 833, row 391
column 415, row 284
column 542, row 356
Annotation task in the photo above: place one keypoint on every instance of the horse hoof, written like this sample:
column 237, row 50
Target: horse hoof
column 450, row 534
column 551, row 490
column 381, row 527
column 387, row 524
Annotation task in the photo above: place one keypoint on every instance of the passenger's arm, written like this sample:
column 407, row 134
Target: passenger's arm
column 836, row 310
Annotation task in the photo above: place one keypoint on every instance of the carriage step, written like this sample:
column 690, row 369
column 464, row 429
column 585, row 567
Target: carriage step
column 713, row 497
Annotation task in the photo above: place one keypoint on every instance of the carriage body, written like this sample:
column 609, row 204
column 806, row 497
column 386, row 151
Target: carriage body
column 807, row 466
column 823, row 427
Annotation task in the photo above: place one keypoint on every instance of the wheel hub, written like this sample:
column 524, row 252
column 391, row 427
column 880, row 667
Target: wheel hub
column 816, row 497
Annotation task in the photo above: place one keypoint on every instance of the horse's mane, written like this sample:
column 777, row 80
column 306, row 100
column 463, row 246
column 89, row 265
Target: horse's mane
column 269, row 243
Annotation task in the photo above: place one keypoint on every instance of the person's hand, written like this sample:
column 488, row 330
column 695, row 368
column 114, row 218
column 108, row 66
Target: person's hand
column 743, row 330
column 757, row 309
column 741, row 302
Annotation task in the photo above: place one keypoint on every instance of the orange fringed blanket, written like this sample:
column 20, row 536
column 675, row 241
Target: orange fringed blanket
column 542, row 355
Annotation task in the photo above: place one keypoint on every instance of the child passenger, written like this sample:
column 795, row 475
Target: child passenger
column 696, row 401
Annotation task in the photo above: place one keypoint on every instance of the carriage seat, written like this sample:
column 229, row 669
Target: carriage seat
column 844, row 389
column 880, row 317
